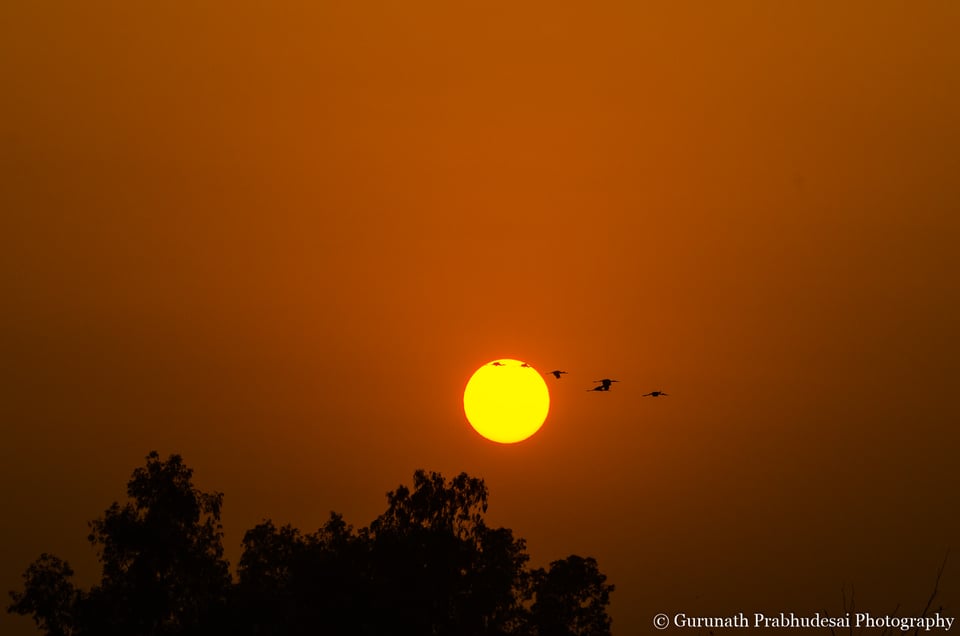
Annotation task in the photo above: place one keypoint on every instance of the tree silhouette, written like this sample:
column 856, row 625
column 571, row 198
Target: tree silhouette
column 289, row 583
column 438, row 568
column 162, row 563
column 48, row 595
column 571, row 599
column 429, row 565
column 162, row 554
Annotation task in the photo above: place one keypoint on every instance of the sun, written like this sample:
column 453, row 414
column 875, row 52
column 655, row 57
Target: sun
column 506, row 401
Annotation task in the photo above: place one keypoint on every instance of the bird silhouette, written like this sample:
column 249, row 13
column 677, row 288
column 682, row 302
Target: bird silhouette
column 497, row 364
column 653, row 394
column 557, row 373
column 525, row 365
column 604, row 385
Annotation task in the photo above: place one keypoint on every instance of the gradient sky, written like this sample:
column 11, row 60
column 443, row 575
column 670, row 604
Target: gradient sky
column 278, row 239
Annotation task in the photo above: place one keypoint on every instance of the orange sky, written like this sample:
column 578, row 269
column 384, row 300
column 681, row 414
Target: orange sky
column 278, row 241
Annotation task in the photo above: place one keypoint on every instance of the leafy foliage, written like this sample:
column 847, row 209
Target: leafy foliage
column 571, row 599
column 48, row 595
column 429, row 565
column 161, row 554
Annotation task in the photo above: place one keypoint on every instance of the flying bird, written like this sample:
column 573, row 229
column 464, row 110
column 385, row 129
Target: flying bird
column 525, row 365
column 604, row 385
column 497, row 364
column 557, row 373
column 654, row 394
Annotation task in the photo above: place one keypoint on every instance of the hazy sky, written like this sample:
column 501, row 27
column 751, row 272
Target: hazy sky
column 278, row 239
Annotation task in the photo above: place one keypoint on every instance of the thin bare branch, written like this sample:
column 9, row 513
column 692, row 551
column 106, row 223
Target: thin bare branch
column 936, row 590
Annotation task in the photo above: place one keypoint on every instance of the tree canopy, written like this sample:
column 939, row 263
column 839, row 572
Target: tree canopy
column 429, row 565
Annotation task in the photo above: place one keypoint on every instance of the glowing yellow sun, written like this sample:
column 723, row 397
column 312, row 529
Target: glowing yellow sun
column 506, row 401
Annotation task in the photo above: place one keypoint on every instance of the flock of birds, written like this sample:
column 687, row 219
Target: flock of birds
column 603, row 385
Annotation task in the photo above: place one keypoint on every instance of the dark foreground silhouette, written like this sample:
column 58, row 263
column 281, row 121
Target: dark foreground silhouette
column 429, row 565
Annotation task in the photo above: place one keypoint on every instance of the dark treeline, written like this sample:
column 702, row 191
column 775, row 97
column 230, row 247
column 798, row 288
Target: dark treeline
column 428, row 565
